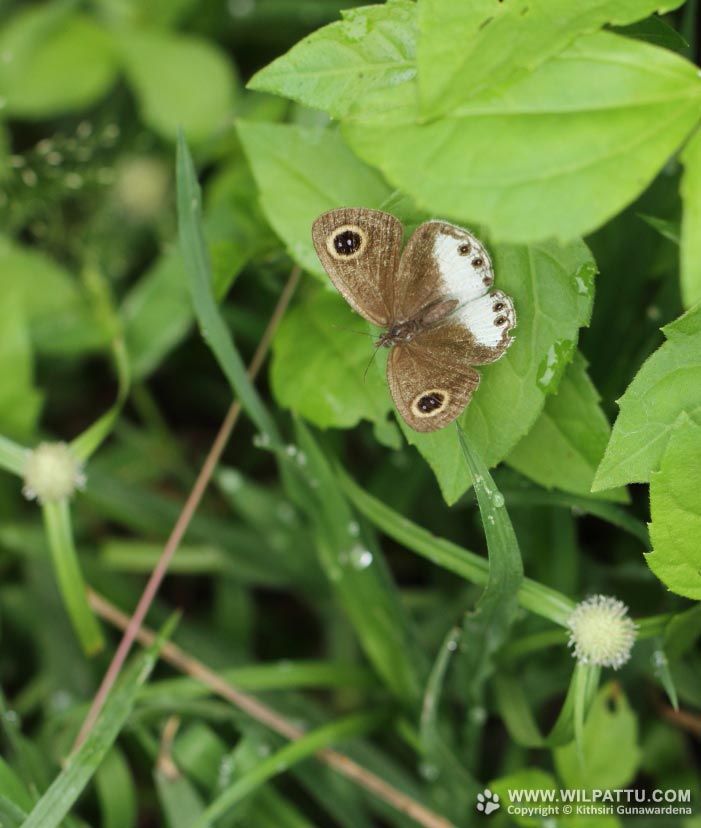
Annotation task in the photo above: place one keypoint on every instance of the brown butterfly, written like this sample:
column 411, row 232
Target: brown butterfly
column 433, row 300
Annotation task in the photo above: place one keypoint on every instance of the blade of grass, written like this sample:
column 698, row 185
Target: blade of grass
column 81, row 765
column 89, row 441
column 281, row 675
column 98, row 288
column 213, row 329
column 11, row 815
column 518, row 717
column 116, row 792
column 311, row 743
column 12, row 456
column 660, row 665
column 13, row 788
column 359, row 576
column 451, row 785
column 532, row 596
column 59, row 535
column 586, row 681
column 185, row 516
column 384, row 791
column 180, row 801
column 485, row 629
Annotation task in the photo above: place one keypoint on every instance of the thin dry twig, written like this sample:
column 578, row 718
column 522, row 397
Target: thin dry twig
column 683, row 719
column 250, row 705
column 184, row 518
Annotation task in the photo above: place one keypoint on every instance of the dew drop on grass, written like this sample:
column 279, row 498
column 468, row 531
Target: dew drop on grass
column 478, row 715
column 261, row 441
column 226, row 769
column 498, row 499
column 60, row 700
column 359, row 557
column 231, row 480
column 429, row 771
column 354, row 529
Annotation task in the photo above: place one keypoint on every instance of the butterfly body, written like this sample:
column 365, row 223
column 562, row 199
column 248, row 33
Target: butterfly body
column 428, row 317
column 433, row 302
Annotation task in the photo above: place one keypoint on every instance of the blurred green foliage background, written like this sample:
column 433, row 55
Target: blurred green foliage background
column 324, row 596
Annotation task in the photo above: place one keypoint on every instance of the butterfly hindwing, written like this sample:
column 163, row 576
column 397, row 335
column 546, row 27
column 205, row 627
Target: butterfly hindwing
column 360, row 251
column 441, row 261
column 430, row 388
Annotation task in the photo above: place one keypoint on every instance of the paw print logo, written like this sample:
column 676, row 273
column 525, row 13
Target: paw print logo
column 487, row 802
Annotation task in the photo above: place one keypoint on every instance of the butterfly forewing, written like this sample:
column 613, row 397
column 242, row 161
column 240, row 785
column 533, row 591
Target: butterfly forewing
column 360, row 251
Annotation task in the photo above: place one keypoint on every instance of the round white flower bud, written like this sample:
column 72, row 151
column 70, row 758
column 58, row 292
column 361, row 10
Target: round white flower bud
column 52, row 473
column 601, row 632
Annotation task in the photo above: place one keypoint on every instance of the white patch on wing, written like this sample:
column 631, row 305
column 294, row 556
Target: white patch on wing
column 488, row 318
column 462, row 279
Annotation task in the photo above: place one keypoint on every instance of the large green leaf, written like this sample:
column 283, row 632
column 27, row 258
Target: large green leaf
column 179, row 81
column 371, row 48
column 568, row 440
column 301, row 173
column 610, row 752
column 675, row 506
column 53, row 61
column 319, row 362
column 492, row 42
column 690, row 243
column 668, row 384
column 552, row 287
column 59, row 316
column 529, row 161
column 157, row 313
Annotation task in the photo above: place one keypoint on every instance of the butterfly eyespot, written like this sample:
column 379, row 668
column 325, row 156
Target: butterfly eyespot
column 464, row 249
column 477, row 262
column 500, row 320
column 498, row 306
column 487, row 280
column 429, row 403
column 346, row 242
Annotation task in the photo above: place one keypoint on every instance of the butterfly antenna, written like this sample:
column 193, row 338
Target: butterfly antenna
column 352, row 330
column 367, row 368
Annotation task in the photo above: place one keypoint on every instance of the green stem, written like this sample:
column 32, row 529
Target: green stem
column 12, row 456
column 59, row 533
